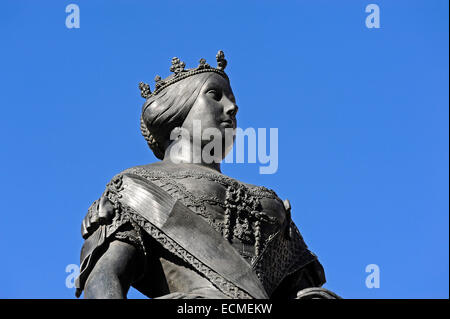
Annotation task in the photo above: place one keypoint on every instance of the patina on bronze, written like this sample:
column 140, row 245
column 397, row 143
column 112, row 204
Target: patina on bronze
column 180, row 229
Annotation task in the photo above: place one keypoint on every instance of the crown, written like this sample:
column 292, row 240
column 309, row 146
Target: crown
column 180, row 73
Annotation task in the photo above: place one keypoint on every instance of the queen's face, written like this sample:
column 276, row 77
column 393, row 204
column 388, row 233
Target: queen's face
column 215, row 109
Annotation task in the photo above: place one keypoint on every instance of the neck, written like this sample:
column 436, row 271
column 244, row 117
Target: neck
column 183, row 151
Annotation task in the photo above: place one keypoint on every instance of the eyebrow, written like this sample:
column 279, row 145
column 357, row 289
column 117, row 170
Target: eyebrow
column 215, row 84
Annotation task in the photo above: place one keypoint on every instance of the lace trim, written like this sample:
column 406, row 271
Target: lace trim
column 257, row 191
column 282, row 257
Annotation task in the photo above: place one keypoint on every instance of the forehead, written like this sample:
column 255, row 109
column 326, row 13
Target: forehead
column 218, row 81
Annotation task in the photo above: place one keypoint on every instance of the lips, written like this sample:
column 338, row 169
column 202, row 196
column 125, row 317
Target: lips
column 227, row 123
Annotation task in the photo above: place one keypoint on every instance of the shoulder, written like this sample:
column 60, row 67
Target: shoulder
column 147, row 167
column 152, row 168
column 140, row 170
column 268, row 192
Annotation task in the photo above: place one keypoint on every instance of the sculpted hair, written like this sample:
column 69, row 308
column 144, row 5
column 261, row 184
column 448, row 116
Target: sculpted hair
column 167, row 110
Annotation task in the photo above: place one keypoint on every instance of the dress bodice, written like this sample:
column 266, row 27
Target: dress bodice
column 248, row 216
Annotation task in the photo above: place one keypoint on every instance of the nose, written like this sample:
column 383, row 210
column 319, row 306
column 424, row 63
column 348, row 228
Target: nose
column 230, row 108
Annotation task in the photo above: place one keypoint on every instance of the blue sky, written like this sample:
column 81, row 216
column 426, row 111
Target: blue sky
column 362, row 117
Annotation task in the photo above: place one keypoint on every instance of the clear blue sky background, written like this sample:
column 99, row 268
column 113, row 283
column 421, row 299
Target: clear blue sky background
column 362, row 117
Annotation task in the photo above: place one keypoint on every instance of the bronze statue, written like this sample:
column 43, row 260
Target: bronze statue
column 179, row 228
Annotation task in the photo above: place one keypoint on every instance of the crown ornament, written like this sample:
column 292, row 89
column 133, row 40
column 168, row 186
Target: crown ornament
column 180, row 73
column 145, row 90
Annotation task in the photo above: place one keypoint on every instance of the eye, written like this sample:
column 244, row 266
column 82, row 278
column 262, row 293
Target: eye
column 215, row 94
